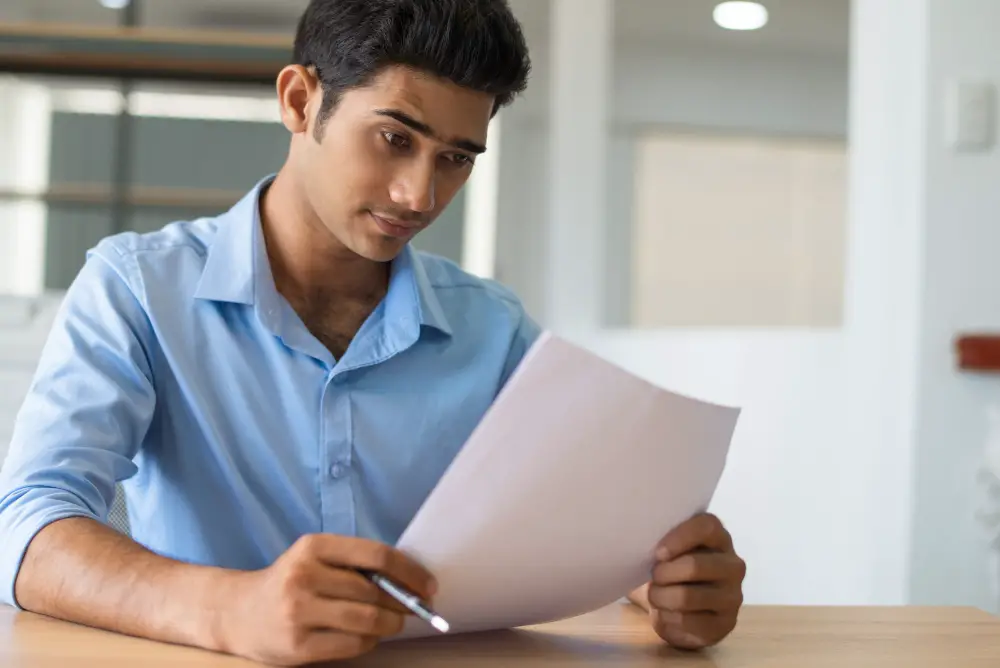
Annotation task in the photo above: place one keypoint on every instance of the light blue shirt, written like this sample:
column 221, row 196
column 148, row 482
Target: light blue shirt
column 175, row 366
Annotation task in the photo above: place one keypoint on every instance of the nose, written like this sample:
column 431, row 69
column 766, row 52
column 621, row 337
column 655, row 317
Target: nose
column 413, row 187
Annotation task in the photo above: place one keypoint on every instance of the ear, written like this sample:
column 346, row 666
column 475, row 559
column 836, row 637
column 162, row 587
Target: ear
column 300, row 95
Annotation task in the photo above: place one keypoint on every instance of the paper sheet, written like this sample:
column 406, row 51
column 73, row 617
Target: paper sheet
column 554, row 506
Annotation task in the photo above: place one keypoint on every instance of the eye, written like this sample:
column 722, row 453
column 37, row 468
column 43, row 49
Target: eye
column 396, row 140
column 461, row 159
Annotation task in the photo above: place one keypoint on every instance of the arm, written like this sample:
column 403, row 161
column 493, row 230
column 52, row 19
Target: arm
column 525, row 335
column 82, row 571
column 311, row 605
column 88, row 410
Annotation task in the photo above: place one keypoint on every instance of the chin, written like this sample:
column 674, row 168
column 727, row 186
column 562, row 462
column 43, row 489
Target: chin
column 383, row 250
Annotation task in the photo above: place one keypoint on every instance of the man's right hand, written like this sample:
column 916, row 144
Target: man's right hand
column 312, row 605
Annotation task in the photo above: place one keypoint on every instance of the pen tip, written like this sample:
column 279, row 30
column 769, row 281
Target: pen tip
column 440, row 624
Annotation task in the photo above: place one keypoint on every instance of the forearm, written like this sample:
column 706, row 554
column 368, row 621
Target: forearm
column 81, row 571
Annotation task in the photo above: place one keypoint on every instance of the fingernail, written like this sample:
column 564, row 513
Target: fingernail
column 662, row 553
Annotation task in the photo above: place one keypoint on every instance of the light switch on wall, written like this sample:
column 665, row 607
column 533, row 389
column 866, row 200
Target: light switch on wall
column 971, row 115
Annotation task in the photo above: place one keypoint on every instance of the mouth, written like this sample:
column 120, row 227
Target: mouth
column 394, row 227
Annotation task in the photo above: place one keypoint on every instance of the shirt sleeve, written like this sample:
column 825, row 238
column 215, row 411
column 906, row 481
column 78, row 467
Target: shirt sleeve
column 525, row 336
column 87, row 410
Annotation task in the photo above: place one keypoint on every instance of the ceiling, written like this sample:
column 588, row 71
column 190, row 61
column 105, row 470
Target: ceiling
column 817, row 27
column 795, row 26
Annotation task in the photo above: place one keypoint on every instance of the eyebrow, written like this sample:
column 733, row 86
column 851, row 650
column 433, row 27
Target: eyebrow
column 427, row 131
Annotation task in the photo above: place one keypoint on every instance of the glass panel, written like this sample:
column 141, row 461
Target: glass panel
column 180, row 166
column 192, row 151
column 243, row 15
column 72, row 230
column 77, row 12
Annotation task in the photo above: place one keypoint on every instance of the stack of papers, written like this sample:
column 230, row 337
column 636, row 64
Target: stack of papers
column 555, row 505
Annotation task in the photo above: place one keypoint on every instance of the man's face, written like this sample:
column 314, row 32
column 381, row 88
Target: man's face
column 390, row 158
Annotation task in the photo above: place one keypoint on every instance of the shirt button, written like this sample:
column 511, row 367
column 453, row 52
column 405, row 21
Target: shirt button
column 338, row 471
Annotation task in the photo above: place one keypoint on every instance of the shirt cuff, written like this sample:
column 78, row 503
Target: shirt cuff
column 21, row 519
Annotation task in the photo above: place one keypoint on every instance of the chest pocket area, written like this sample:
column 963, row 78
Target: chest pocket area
column 405, row 437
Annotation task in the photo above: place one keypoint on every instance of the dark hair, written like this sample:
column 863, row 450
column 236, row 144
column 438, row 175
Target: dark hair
column 477, row 44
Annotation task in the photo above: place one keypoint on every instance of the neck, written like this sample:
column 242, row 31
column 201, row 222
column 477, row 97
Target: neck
column 308, row 262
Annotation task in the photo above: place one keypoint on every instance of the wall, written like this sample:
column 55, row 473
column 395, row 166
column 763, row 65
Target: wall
column 960, row 292
column 786, row 492
column 853, row 475
column 783, row 495
column 655, row 87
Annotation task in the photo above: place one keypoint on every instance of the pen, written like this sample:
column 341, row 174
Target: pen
column 410, row 601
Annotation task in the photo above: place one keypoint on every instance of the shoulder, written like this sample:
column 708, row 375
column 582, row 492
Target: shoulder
column 486, row 309
column 455, row 286
column 183, row 237
column 175, row 253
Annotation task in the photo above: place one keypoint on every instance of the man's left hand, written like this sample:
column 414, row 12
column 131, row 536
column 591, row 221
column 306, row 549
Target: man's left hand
column 696, row 590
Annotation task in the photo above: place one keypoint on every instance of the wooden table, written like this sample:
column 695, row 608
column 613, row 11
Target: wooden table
column 775, row 637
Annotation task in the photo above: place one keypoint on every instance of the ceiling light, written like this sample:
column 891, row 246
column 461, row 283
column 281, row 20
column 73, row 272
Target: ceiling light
column 740, row 15
column 115, row 4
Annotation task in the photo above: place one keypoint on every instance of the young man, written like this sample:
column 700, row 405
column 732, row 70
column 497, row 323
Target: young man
column 280, row 387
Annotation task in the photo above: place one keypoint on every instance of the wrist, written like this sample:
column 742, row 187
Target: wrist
column 215, row 604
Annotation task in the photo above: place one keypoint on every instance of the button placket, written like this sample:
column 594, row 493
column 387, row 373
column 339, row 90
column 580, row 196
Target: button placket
column 338, row 499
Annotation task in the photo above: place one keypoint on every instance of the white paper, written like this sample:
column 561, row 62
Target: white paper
column 556, row 503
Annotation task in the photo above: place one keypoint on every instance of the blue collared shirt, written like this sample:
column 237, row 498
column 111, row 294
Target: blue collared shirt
column 175, row 366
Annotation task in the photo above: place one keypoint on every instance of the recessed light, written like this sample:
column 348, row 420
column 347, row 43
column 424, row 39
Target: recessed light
column 115, row 4
column 740, row 15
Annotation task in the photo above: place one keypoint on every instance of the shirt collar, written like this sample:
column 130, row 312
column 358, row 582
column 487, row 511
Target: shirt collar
column 237, row 270
column 409, row 283
column 228, row 275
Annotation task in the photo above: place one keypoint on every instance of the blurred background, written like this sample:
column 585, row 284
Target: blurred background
column 790, row 206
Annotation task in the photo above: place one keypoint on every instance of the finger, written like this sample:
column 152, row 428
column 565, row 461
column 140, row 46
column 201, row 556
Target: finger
column 692, row 630
column 369, row 555
column 340, row 584
column 695, row 598
column 701, row 531
column 700, row 567
column 320, row 646
column 353, row 618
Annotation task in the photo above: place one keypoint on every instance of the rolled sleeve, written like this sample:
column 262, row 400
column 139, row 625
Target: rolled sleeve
column 525, row 336
column 85, row 415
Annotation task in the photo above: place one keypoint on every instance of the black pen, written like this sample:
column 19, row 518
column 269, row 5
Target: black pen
column 410, row 601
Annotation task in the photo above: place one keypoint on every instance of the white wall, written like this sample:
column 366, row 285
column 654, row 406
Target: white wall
column 922, row 269
column 783, row 494
column 731, row 89
column 854, row 469
column 655, row 87
column 961, row 290
column 883, row 270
